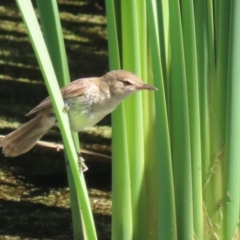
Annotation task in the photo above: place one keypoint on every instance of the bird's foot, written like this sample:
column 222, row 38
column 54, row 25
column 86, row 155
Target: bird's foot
column 81, row 165
column 66, row 108
column 81, row 161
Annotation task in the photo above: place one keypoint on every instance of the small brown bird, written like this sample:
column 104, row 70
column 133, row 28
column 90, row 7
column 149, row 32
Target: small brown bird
column 87, row 100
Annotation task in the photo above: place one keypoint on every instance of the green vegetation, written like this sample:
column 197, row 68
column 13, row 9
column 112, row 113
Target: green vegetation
column 175, row 169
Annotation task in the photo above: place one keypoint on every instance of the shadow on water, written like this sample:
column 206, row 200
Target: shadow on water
column 15, row 217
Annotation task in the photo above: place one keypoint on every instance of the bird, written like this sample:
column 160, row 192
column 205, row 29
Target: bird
column 86, row 101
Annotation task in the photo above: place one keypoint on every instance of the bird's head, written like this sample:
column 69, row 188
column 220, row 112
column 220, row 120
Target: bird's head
column 124, row 83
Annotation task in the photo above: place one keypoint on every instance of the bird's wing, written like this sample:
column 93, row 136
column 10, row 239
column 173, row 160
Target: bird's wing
column 75, row 88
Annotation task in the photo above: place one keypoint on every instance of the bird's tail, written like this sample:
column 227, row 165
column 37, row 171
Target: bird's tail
column 25, row 137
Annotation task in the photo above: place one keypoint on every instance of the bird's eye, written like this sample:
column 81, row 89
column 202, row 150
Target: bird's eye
column 126, row 83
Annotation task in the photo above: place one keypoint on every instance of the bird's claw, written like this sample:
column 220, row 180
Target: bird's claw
column 81, row 161
column 66, row 108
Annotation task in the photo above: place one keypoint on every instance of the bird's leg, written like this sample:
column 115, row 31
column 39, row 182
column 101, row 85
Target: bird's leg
column 66, row 108
column 81, row 165
column 81, row 161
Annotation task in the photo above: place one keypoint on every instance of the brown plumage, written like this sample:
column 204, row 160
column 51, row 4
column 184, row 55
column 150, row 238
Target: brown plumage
column 88, row 100
column 25, row 137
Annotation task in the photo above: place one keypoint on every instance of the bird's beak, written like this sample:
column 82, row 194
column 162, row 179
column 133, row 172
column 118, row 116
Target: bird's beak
column 147, row 87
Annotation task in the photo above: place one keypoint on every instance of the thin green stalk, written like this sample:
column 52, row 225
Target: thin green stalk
column 52, row 32
column 220, row 84
column 133, row 110
column 218, row 88
column 179, row 128
column 121, row 192
column 50, row 21
column 202, row 55
column 202, row 60
column 162, row 163
column 113, row 38
column 232, row 198
column 150, row 182
column 44, row 61
column 142, row 36
column 190, row 53
column 213, row 187
column 150, row 178
column 162, row 8
column 122, row 225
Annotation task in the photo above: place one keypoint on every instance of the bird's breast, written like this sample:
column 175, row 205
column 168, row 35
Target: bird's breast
column 85, row 113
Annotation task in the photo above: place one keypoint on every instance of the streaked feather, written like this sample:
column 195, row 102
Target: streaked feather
column 76, row 88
